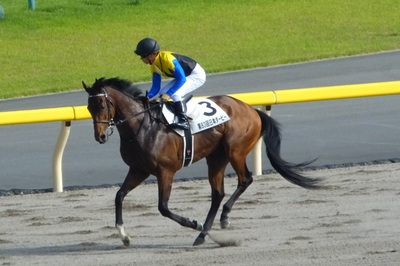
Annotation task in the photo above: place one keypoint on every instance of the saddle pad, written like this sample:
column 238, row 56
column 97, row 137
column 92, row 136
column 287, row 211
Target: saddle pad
column 204, row 114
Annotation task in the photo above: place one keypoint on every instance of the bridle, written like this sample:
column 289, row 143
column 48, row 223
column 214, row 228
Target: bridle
column 111, row 122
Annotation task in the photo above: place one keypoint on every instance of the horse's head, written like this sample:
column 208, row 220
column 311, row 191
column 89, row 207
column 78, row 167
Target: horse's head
column 102, row 110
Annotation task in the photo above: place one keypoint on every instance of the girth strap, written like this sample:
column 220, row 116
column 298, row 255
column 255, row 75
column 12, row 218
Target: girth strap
column 187, row 148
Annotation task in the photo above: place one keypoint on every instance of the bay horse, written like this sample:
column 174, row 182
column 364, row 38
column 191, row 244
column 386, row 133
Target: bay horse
column 150, row 147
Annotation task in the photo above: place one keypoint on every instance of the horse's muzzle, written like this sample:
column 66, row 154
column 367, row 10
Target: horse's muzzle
column 102, row 137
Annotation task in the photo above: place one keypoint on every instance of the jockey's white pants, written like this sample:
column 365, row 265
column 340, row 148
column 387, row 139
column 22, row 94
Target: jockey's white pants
column 195, row 80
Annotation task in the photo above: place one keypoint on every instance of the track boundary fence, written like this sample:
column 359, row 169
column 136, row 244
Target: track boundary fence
column 262, row 100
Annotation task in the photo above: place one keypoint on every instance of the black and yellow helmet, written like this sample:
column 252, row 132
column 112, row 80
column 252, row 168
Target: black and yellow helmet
column 146, row 47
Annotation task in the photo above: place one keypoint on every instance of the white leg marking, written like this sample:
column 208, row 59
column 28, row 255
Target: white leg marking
column 123, row 235
column 199, row 227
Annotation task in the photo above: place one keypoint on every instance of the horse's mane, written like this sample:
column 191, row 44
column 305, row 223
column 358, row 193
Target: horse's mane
column 119, row 84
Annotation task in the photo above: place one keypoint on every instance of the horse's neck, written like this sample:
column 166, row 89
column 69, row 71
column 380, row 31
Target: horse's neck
column 126, row 107
column 131, row 117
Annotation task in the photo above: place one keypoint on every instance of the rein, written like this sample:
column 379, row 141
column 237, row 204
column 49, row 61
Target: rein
column 132, row 116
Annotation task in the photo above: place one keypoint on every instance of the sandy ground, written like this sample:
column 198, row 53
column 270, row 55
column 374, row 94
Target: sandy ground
column 356, row 222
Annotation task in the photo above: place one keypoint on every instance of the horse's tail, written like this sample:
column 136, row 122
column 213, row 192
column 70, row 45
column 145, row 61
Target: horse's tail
column 272, row 138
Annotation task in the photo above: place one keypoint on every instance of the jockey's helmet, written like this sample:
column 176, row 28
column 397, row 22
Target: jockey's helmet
column 146, row 47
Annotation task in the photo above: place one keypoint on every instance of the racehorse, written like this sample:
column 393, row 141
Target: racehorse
column 149, row 146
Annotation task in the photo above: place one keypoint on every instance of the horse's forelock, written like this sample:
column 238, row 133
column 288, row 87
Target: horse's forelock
column 97, row 86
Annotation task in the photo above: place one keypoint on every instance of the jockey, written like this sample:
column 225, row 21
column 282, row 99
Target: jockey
column 187, row 76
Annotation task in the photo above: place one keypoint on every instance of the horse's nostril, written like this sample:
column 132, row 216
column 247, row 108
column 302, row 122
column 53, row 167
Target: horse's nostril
column 102, row 139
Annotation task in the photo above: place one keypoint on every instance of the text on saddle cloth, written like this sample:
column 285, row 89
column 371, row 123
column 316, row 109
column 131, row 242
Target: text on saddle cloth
column 203, row 114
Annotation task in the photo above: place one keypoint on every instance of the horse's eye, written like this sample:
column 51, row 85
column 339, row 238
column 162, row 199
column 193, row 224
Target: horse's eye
column 97, row 104
column 101, row 105
column 90, row 106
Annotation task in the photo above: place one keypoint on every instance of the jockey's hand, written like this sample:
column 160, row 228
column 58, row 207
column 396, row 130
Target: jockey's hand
column 164, row 97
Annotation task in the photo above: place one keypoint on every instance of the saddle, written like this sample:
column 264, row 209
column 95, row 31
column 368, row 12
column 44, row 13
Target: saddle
column 185, row 100
column 186, row 134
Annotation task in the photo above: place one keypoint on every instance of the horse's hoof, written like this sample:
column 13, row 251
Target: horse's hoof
column 123, row 235
column 199, row 241
column 224, row 224
column 126, row 241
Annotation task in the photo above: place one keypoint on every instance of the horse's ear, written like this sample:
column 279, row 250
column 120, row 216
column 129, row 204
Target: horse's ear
column 85, row 86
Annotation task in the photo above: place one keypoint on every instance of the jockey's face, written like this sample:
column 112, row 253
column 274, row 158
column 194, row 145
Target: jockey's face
column 149, row 59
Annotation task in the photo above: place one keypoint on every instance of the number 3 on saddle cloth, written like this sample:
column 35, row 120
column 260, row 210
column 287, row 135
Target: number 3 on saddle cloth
column 203, row 114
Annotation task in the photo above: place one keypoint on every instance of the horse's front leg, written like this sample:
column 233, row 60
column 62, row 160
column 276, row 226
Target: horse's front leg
column 132, row 180
column 164, row 192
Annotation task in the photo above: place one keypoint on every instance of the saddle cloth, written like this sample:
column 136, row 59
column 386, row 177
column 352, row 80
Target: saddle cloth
column 203, row 114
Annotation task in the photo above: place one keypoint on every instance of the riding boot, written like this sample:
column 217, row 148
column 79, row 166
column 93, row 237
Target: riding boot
column 183, row 122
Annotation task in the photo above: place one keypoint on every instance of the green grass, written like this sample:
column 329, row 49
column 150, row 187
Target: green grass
column 63, row 42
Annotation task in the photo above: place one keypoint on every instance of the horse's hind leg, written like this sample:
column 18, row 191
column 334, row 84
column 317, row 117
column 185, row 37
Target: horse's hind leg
column 217, row 163
column 244, row 180
column 132, row 180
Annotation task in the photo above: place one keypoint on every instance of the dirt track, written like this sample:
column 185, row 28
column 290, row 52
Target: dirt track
column 355, row 223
